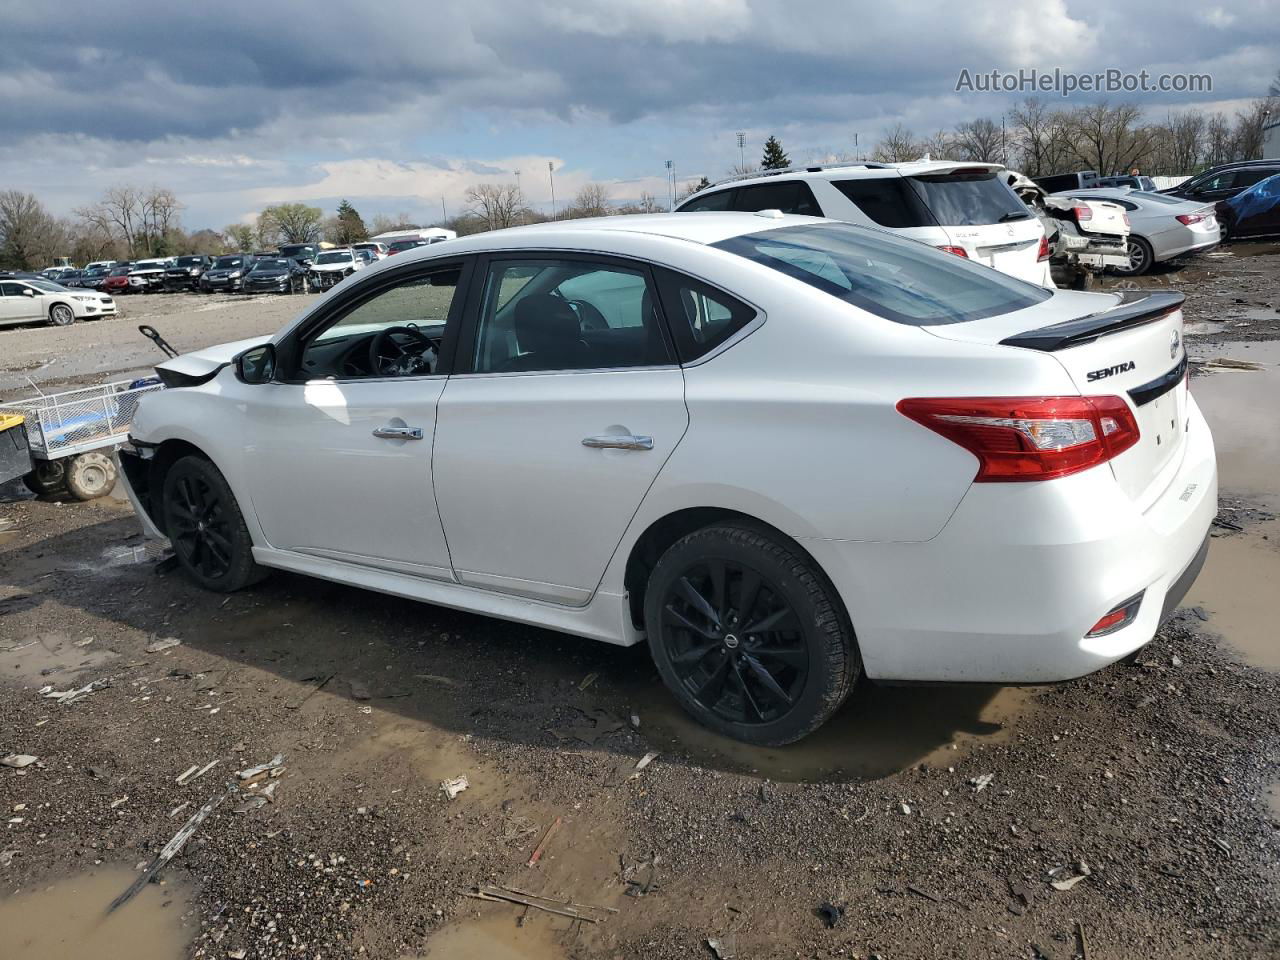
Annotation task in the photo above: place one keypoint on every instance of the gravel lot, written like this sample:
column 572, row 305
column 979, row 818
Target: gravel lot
column 929, row 822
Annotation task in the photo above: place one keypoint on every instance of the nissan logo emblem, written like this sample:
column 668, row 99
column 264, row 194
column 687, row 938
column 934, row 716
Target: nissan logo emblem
column 1173, row 345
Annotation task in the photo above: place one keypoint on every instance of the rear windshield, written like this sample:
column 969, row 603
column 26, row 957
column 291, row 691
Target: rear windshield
column 967, row 201
column 892, row 277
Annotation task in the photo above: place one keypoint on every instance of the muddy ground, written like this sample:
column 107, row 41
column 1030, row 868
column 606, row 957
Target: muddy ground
column 1155, row 782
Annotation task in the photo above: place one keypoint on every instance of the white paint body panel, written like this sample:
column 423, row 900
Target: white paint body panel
column 792, row 423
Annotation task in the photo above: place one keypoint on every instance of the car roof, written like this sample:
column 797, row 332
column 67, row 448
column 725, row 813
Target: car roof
column 868, row 169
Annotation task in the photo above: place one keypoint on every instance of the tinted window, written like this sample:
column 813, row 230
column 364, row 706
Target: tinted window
column 888, row 201
column 10, row 289
column 228, row 263
column 190, row 261
column 962, row 201
column 700, row 316
column 789, row 196
column 566, row 315
column 711, row 201
column 894, row 278
column 1063, row 181
column 1251, row 175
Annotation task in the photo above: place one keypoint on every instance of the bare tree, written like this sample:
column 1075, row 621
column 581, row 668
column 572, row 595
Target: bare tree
column 981, row 140
column 29, row 236
column 897, row 145
column 1109, row 139
column 591, row 201
column 289, row 223
column 497, row 204
column 382, row 223
column 1248, row 139
column 1217, row 140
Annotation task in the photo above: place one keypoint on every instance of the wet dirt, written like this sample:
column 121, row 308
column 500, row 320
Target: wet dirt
column 50, row 658
column 498, row 932
column 67, row 920
column 1237, row 588
column 882, row 730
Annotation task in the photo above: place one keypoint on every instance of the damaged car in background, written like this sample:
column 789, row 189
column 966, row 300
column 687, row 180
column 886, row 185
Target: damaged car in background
column 784, row 452
column 331, row 267
column 1084, row 236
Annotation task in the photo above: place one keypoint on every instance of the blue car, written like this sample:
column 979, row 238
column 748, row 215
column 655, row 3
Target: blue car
column 1252, row 213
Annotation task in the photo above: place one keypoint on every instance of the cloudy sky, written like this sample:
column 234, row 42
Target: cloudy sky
column 400, row 105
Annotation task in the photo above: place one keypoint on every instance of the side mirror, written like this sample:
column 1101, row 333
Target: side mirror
column 257, row 365
column 28, row 292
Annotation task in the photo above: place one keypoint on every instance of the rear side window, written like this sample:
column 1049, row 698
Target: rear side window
column 789, row 196
column 886, row 275
column 968, row 201
column 1248, row 177
column 711, row 201
column 701, row 317
column 888, row 201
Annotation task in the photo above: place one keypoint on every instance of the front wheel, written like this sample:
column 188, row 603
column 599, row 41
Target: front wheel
column 61, row 315
column 748, row 635
column 206, row 527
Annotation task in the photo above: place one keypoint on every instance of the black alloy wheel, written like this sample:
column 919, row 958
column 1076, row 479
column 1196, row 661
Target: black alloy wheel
column 206, row 527
column 749, row 635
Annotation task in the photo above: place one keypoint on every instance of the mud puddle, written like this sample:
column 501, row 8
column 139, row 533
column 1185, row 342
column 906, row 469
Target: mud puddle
column 498, row 934
column 1237, row 586
column 880, row 731
column 68, row 920
column 1273, row 800
column 49, row 657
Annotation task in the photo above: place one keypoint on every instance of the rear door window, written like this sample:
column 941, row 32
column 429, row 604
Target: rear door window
column 968, row 201
column 1252, row 175
column 888, row 201
column 701, row 317
column 889, row 276
column 789, row 196
column 721, row 200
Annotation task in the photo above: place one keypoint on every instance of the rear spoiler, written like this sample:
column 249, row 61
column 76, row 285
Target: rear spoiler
column 1136, row 307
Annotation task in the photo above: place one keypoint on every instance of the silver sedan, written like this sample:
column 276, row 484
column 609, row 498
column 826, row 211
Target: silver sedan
column 1161, row 228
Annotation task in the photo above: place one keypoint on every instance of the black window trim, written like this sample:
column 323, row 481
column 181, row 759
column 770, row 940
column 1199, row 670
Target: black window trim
column 469, row 328
column 289, row 348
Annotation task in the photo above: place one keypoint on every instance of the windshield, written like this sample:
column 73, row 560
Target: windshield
column 966, row 201
column 341, row 256
column 892, row 277
column 269, row 266
column 48, row 285
column 121, row 271
column 228, row 263
column 190, row 261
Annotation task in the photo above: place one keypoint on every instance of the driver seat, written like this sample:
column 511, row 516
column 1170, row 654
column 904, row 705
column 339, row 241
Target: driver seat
column 548, row 332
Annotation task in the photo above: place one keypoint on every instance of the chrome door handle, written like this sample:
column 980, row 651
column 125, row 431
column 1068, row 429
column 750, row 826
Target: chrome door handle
column 624, row 442
column 398, row 433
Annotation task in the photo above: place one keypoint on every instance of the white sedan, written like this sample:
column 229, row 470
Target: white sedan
column 30, row 299
column 783, row 451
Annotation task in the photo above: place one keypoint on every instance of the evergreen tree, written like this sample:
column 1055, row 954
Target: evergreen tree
column 350, row 226
column 774, row 156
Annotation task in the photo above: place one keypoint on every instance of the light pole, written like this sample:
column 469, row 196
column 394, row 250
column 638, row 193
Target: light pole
column 552, row 177
column 520, row 196
column 742, row 157
column 671, row 182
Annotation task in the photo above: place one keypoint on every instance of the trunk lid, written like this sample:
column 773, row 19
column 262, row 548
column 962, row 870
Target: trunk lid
column 1128, row 346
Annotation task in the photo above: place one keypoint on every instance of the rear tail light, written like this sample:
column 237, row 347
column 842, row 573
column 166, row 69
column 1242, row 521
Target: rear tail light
column 1189, row 218
column 1044, row 250
column 1029, row 438
column 1117, row 618
column 958, row 251
column 1082, row 213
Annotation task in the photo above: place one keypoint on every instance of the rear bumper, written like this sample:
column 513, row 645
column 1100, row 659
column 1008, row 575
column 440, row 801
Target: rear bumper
column 1009, row 588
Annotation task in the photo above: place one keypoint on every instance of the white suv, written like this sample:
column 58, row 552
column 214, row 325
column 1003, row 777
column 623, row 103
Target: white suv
column 963, row 208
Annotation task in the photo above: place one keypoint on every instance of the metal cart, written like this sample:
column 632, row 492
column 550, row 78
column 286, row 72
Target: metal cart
column 72, row 435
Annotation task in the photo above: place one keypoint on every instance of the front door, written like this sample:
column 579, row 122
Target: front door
column 339, row 455
column 567, row 403
column 16, row 303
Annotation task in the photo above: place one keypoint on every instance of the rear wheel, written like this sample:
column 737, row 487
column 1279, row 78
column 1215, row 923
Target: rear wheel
column 749, row 635
column 61, row 315
column 1140, row 258
column 206, row 527
column 91, row 475
column 48, row 477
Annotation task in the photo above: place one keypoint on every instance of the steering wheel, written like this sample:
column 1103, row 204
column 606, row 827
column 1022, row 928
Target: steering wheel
column 405, row 362
column 589, row 318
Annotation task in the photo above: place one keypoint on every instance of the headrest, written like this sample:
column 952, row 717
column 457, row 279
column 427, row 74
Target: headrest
column 545, row 322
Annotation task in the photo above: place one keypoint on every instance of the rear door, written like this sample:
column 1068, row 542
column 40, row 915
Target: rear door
column 567, row 403
column 981, row 215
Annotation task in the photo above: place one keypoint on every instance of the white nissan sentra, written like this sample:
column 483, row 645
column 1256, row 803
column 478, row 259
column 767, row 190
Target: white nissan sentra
column 782, row 450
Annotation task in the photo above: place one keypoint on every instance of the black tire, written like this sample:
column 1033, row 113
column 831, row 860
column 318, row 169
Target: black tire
column 206, row 527
column 803, row 641
column 61, row 315
column 91, row 475
column 47, row 478
column 1141, row 258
